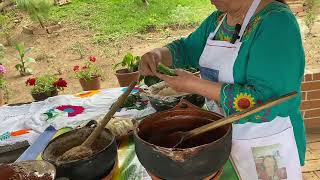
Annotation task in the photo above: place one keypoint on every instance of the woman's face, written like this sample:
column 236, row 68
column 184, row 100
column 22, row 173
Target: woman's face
column 227, row 5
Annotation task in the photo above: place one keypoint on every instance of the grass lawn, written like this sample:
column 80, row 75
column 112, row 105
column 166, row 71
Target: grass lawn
column 114, row 19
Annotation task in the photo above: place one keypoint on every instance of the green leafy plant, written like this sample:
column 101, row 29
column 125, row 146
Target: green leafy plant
column 130, row 62
column 79, row 49
column 46, row 83
column 311, row 16
column 89, row 71
column 4, row 88
column 2, row 48
column 6, row 27
column 134, row 101
column 38, row 10
column 3, row 83
column 151, row 80
column 22, row 66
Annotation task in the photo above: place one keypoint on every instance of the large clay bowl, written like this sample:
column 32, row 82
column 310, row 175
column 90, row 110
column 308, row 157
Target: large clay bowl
column 93, row 167
column 197, row 159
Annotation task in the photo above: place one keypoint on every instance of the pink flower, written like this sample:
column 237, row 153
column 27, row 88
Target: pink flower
column 2, row 69
column 76, row 68
column 92, row 58
column 31, row 82
column 71, row 110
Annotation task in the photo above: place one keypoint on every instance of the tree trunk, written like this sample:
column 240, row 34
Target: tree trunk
column 146, row 2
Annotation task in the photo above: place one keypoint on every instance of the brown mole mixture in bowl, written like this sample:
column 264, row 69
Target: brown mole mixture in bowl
column 75, row 138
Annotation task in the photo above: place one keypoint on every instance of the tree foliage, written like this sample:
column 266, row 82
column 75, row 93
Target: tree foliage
column 311, row 16
column 38, row 10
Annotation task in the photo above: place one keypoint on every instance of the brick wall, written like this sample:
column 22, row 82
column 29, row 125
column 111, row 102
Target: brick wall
column 310, row 105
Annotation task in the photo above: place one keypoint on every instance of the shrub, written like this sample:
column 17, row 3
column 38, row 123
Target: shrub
column 79, row 49
column 3, row 83
column 1, row 53
column 6, row 27
column 311, row 16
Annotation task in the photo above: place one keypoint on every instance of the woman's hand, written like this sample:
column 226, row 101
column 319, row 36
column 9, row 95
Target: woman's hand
column 148, row 63
column 189, row 83
column 150, row 60
column 183, row 82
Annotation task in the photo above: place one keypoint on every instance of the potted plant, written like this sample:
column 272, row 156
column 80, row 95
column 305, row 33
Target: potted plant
column 129, row 71
column 45, row 86
column 3, row 86
column 89, row 75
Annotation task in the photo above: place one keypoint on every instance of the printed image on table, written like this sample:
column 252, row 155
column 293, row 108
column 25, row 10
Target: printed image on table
column 268, row 162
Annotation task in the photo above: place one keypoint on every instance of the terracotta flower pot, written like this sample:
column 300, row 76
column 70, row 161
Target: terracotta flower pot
column 44, row 96
column 125, row 77
column 2, row 101
column 93, row 84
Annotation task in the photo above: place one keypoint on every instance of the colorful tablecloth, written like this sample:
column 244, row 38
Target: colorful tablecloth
column 37, row 123
column 129, row 167
column 27, row 122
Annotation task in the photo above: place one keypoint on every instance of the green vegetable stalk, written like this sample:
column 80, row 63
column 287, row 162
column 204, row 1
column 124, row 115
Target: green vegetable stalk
column 161, row 68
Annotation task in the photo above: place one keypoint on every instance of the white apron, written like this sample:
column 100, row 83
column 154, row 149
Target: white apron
column 265, row 151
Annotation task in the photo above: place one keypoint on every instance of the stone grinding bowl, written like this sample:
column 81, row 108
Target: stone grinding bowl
column 96, row 166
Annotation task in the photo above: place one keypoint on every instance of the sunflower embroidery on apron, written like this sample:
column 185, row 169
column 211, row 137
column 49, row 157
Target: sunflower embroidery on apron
column 265, row 151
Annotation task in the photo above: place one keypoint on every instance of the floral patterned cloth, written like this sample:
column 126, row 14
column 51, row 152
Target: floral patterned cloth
column 27, row 122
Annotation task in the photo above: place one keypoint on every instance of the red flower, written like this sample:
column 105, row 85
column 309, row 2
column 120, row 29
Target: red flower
column 92, row 58
column 60, row 83
column 31, row 82
column 76, row 68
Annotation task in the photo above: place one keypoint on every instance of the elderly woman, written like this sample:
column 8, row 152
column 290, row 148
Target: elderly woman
column 248, row 52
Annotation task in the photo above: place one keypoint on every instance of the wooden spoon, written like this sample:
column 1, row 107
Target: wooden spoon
column 177, row 138
column 84, row 150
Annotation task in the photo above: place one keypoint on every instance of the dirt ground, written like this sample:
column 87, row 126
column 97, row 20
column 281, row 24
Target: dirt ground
column 54, row 55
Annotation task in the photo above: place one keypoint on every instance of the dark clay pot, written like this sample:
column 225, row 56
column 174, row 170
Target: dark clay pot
column 44, row 96
column 93, row 84
column 125, row 77
column 199, row 158
column 94, row 167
